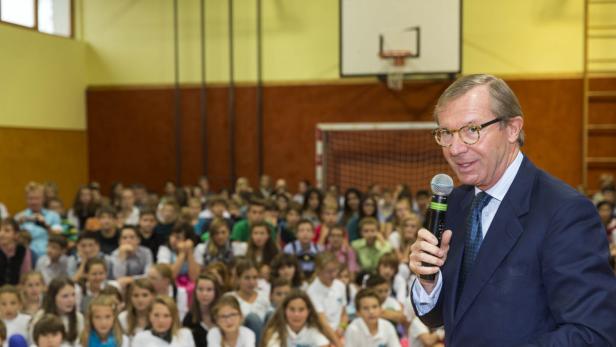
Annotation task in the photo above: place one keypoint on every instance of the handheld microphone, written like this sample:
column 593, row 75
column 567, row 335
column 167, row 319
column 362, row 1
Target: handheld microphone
column 442, row 186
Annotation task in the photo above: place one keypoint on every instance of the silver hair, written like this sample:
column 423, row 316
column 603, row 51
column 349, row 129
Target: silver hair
column 503, row 102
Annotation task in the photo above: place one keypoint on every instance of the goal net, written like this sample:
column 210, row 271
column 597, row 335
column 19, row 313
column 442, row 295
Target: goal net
column 360, row 154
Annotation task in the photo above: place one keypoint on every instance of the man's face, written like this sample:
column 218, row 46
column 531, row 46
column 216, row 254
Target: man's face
column 483, row 163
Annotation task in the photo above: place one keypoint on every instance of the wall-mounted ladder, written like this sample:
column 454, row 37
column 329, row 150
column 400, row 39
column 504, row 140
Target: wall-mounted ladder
column 599, row 119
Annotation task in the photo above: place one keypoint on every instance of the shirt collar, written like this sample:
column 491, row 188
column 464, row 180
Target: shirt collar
column 364, row 328
column 292, row 333
column 501, row 187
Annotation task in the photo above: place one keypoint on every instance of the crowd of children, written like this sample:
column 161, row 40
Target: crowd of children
column 190, row 268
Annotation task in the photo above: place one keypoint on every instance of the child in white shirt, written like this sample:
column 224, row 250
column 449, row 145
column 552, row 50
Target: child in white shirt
column 254, row 303
column 163, row 332
column 369, row 330
column 296, row 322
column 328, row 294
column 10, row 307
column 229, row 331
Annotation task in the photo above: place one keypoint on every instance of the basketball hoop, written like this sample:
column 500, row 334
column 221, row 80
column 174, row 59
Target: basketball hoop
column 395, row 69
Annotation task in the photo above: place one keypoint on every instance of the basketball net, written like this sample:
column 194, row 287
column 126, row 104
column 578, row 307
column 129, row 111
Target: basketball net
column 395, row 68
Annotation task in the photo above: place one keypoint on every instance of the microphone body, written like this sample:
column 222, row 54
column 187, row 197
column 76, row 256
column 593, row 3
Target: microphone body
column 435, row 222
column 442, row 186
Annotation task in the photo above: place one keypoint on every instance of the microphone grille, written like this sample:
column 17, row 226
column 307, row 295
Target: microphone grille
column 441, row 184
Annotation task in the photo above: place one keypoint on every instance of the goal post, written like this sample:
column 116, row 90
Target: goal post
column 385, row 153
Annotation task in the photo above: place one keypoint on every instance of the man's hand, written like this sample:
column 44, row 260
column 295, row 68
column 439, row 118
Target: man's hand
column 426, row 250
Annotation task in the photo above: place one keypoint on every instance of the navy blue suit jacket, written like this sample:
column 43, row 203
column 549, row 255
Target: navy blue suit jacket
column 541, row 277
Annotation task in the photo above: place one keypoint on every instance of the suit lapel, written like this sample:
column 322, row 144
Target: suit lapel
column 501, row 237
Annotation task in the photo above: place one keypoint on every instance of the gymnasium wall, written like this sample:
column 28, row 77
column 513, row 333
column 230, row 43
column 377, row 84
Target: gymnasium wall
column 142, row 147
column 537, row 45
column 131, row 42
column 42, row 113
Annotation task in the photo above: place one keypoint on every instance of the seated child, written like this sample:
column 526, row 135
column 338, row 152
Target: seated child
column 218, row 245
column 147, row 225
column 329, row 217
column 164, row 328
column 338, row 244
column 15, row 259
column 391, row 308
column 48, row 332
column 130, row 259
column 286, row 266
column 54, row 263
column 303, row 248
column 87, row 248
column 32, row 287
column 388, row 267
column 369, row 329
column 370, row 247
column 107, row 235
column 229, row 330
column 15, row 323
column 328, row 295
column 178, row 253
column 295, row 322
column 280, row 288
column 254, row 303
column 287, row 229
column 101, row 325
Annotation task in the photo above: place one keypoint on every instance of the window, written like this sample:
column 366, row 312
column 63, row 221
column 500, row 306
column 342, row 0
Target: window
column 19, row 12
column 54, row 17
column 47, row 16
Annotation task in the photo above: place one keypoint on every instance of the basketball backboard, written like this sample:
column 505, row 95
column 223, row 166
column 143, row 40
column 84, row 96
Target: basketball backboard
column 429, row 29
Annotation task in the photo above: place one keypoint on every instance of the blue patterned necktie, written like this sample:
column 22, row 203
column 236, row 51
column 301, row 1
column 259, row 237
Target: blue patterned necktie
column 474, row 235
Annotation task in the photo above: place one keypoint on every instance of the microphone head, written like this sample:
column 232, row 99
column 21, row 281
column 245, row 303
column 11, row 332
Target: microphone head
column 442, row 185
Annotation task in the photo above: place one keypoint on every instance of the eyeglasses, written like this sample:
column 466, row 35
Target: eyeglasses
column 469, row 134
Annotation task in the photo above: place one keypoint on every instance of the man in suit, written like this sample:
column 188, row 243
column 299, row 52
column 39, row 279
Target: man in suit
column 524, row 261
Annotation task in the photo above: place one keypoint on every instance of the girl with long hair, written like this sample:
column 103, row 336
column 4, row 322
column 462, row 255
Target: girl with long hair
column 295, row 323
column 261, row 248
column 60, row 301
column 140, row 295
column 200, row 319
column 102, row 328
column 33, row 286
column 229, row 331
column 286, row 266
column 164, row 328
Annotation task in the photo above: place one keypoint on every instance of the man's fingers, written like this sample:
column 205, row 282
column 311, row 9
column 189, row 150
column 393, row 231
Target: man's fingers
column 419, row 269
column 427, row 236
column 430, row 259
column 430, row 248
column 445, row 239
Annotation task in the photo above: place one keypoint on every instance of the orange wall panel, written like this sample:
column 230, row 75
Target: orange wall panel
column 41, row 155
